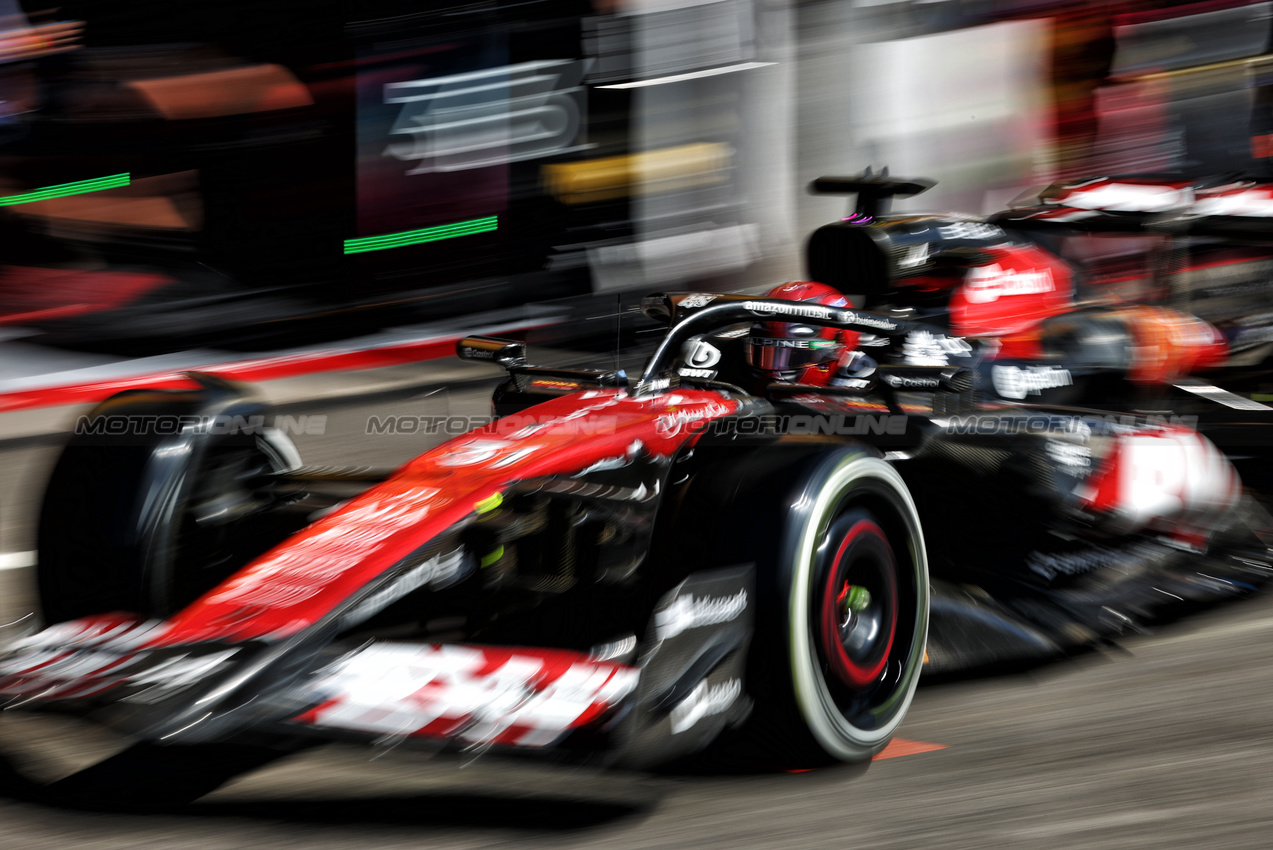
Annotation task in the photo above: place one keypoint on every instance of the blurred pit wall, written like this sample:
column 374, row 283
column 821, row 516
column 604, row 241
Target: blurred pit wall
column 774, row 93
column 967, row 107
column 841, row 88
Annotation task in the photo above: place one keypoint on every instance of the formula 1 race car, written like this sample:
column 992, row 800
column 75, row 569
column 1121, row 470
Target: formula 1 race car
column 615, row 570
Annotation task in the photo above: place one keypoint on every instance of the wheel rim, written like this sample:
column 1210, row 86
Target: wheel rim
column 857, row 613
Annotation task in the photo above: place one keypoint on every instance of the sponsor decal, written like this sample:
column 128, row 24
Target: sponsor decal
column 864, row 320
column 916, row 255
column 1127, row 197
column 704, row 701
column 1251, row 202
column 659, row 384
column 690, row 612
column 670, row 424
column 1074, row 459
column 439, row 571
column 556, row 385
column 911, row 381
column 687, row 372
column 476, row 694
column 988, row 283
column 698, row 353
column 698, row 299
column 477, row 452
column 302, row 570
column 1018, row 382
column 815, row 312
column 925, row 348
column 1070, row 563
column 82, row 658
column 175, row 674
column 786, row 342
column 804, row 311
column 970, row 230
column 1165, row 473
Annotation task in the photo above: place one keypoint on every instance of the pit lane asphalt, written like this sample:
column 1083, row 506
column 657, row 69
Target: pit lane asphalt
column 1164, row 740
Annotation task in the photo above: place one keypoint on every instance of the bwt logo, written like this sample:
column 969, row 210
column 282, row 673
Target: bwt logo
column 138, row 425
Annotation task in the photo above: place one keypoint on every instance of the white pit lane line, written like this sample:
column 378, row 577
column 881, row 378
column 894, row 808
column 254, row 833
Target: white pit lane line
column 16, row 560
column 1220, row 396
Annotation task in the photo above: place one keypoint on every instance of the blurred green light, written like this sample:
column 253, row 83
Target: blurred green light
column 428, row 234
column 61, row 190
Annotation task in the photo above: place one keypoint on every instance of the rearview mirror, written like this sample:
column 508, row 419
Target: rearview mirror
column 506, row 352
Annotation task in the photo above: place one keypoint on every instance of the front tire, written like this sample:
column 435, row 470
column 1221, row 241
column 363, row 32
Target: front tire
column 141, row 521
column 842, row 592
column 857, row 609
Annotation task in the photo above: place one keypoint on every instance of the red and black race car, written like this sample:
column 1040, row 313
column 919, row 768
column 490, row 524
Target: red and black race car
column 624, row 570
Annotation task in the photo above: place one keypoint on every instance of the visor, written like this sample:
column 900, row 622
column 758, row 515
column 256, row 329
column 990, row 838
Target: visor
column 782, row 354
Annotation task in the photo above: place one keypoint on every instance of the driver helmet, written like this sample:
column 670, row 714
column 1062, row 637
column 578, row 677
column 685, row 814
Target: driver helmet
column 794, row 352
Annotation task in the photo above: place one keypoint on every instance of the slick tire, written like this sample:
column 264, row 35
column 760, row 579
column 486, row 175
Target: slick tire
column 146, row 522
column 842, row 597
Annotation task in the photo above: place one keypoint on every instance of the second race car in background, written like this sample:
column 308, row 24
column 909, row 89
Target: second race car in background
column 1146, row 292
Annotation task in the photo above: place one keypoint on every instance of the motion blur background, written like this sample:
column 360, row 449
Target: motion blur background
column 282, row 170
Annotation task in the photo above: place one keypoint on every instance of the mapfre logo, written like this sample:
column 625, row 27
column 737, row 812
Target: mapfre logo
column 989, row 283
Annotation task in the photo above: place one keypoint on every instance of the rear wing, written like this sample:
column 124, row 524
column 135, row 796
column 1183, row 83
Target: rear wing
column 873, row 191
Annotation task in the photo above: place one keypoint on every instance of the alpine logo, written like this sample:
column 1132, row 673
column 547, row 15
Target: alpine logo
column 690, row 612
column 786, row 342
column 1016, row 382
column 988, row 283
